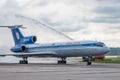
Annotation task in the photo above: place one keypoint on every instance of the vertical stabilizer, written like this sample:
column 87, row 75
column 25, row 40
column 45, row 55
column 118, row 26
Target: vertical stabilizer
column 17, row 35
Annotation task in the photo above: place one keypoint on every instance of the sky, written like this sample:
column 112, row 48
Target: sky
column 97, row 20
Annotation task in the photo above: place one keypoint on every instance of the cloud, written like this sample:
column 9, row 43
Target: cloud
column 113, row 30
column 110, row 20
column 10, row 5
column 109, row 1
column 80, row 19
column 112, row 11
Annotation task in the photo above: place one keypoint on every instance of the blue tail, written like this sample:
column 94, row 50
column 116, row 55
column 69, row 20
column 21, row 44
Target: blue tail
column 20, row 39
column 17, row 35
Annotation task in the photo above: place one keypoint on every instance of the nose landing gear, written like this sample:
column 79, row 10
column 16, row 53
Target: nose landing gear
column 89, row 60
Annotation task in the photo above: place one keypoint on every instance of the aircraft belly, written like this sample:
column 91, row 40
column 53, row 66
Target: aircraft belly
column 78, row 52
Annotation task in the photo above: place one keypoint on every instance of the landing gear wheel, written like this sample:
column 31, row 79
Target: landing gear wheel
column 89, row 63
column 62, row 61
column 89, row 59
column 59, row 62
column 23, row 62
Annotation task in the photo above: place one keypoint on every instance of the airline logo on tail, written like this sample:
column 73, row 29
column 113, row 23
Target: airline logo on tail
column 17, row 35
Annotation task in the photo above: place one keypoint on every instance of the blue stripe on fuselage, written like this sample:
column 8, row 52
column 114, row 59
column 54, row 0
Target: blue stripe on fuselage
column 69, row 45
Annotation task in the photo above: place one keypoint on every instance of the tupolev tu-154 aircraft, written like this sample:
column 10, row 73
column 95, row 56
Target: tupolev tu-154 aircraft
column 26, row 47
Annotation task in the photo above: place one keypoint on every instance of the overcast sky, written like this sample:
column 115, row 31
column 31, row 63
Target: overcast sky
column 80, row 19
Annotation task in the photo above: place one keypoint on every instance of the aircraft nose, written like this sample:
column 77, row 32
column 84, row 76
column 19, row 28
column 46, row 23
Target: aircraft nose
column 107, row 49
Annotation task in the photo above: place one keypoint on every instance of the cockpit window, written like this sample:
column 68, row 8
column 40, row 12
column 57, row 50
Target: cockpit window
column 100, row 44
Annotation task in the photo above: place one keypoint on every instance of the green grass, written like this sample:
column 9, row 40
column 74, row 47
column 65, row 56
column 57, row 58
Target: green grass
column 109, row 60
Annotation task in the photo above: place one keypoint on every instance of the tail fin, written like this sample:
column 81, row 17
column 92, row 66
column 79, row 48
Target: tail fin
column 17, row 35
column 19, row 38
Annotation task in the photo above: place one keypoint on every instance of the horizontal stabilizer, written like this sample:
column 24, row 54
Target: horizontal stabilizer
column 14, row 26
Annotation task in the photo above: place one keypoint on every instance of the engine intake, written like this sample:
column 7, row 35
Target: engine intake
column 34, row 38
column 29, row 40
column 24, row 49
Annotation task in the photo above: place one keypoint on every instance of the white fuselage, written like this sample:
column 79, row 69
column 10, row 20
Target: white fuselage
column 70, row 49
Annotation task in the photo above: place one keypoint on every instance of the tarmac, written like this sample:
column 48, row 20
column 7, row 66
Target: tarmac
column 53, row 71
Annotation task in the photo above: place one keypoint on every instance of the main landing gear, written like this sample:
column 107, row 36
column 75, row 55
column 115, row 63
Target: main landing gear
column 89, row 59
column 62, row 61
column 24, row 61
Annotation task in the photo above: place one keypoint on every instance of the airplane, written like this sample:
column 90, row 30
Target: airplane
column 26, row 46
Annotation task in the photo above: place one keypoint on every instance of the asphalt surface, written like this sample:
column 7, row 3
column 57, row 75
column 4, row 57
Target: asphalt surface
column 53, row 71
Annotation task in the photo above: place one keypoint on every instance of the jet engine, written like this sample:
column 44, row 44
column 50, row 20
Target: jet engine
column 29, row 40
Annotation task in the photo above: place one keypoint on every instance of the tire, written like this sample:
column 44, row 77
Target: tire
column 23, row 62
column 64, row 62
column 61, row 62
column 20, row 62
column 89, row 63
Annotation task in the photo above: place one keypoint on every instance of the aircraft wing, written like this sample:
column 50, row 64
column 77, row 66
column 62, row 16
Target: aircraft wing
column 38, row 54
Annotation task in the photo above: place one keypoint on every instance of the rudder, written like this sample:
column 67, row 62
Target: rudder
column 17, row 35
